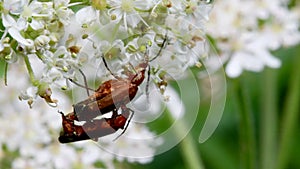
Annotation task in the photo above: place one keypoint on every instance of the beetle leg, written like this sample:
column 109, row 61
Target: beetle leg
column 85, row 82
column 68, row 125
column 115, row 113
column 126, row 111
column 147, row 86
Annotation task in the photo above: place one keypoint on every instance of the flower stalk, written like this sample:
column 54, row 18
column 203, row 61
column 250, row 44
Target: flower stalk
column 30, row 71
column 188, row 146
column 290, row 117
column 268, row 119
column 246, row 132
column 5, row 73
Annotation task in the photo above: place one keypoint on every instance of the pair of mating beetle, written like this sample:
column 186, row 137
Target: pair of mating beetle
column 110, row 96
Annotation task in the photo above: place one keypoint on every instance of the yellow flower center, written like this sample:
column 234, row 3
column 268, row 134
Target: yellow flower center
column 127, row 5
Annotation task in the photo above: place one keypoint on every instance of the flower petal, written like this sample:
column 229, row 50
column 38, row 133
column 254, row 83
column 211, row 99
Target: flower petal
column 8, row 20
column 17, row 36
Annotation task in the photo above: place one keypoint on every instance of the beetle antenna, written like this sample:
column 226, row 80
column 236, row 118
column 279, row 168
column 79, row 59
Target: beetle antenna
column 160, row 50
column 147, row 60
column 105, row 64
column 80, row 85
column 85, row 83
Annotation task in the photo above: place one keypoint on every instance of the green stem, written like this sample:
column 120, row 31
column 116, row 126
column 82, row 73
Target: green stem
column 30, row 71
column 40, row 56
column 188, row 146
column 5, row 73
column 247, row 136
column 190, row 154
column 290, row 117
column 269, row 120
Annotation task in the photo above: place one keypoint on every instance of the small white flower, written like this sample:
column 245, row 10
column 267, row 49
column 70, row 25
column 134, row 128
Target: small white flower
column 196, row 11
column 36, row 24
column 125, row 10
column 246, row 38
column 42, row 43
column 62, row 11
column 252, row 54
column 14, row 6
column 81, row 16
column 29, row 95
column 41, row 9
column 14, row 28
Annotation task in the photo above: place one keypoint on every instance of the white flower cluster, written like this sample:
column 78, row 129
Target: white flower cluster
column 28, row 137
column 60, row 40
column 53, row 39
column 246, row 32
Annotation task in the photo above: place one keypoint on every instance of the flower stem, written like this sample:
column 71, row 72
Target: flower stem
column 187, row 146
column 30, row 71
column 190, row 154
column 269, row 119
column 247, row 139
column 5, row 73
column 290, row 117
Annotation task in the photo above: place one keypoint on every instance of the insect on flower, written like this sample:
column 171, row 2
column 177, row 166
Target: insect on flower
column 109, row 97
column 91, row 129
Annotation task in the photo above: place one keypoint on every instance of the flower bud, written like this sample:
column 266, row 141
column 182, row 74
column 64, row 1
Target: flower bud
column 44, row 91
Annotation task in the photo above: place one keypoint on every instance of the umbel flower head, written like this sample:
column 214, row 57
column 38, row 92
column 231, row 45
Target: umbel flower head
column 245, row 32
column 47, row 43
column 54, row 39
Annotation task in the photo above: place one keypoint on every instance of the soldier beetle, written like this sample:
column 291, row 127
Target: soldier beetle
column 109, row 97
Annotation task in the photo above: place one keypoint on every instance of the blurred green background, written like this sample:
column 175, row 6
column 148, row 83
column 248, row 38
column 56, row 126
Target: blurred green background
column 259, row 127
